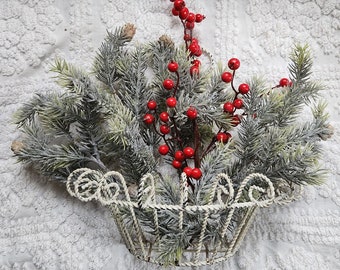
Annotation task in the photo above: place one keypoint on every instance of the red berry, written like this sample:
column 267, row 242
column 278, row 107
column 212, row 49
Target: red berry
column 175, row 12
column 164, row 116
column 152, row 105
column 148, row 118
column 164, row 129
column 194, row 70
column 176, row 164
column 188, row 152
column 196, row 173
column 234, row 63
column 189, row 25
column 194, row 47
column 192, row 113
column 194, row 40
column 187, row 37
column 191, row 17
column 227, row 77
column 184, row 12
column 179, row 155
column 235, row 121
column 223, row 137
column 228, row 107
column 171, row 102
column 168, row 84
column 238, row 103
column 172, row 66
column 163, row 149
column 196, row 62
column 187, row 171
column 199, row 18
column 243, row 88
column 284, row 82
column 179, row 4
column 198, row 53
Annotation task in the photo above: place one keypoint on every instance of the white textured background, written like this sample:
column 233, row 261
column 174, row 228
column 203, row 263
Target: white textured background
column 41, row 227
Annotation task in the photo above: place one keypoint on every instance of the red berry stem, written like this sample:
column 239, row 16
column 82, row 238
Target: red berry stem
column 211, row 145
column 177, row 83
column 232, row 85
column 155, row 128
column 185, row 32
column 190, row 33
column 166, row 141
column 163, row 136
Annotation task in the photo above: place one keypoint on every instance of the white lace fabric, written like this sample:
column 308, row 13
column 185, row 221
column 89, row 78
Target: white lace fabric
column 42, row 227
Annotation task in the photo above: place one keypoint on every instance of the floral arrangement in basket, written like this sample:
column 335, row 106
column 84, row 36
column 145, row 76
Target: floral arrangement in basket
column 181, row 154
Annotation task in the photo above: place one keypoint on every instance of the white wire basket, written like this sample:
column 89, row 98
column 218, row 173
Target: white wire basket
column 238, row 207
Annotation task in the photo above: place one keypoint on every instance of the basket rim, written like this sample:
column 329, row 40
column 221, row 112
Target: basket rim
column 109, row 189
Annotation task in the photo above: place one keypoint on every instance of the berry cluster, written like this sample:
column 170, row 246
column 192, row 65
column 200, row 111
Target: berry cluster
column 187, row 158
column 168, row 130
column 231, row 107
column 164, row 123
column 189, row 19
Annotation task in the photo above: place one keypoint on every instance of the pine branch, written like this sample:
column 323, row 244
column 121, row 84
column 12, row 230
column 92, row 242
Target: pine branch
column 215, row 162
column 159, row 54
column 138, row 158
column 118, row 123
column 132, row 87
column 301, row 64
column 100, row 126
column 271, row 138
column 71, row 78
column 110, row 52
column 171, row 247
column 56, row 161
column 28, row 111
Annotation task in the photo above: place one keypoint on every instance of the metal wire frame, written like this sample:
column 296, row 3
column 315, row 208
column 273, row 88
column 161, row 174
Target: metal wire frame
column 111, row 190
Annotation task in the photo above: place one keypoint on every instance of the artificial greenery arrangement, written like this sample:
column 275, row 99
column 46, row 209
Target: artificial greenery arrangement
column 181, row 155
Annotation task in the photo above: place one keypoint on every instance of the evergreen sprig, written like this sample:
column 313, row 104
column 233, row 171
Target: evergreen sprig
column 97, row 122
column 272, row 138
column 111, row 50
column 301, row 64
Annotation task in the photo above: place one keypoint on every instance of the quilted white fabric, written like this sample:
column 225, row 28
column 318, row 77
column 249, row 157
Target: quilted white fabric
column 42, row 227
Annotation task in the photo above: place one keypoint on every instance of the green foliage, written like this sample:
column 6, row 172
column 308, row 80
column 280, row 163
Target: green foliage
column 56, row 161
column 171, row 247
column 301, row 64
column 100, row 125
column 96, row 124
column 109, row 53
column 214, row 163
column 93, row 127
column 272, row 138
